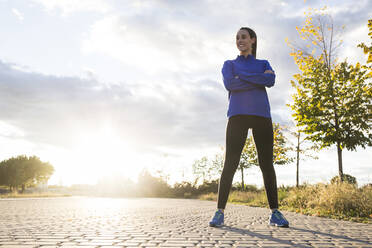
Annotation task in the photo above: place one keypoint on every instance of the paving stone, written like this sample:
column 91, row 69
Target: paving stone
column 155, row 222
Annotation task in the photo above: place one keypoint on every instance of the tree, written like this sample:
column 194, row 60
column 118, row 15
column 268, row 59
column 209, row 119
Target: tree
column 368, row 49
column 280, row 149
column 248, row 157
column 332, row 99
column 150, row 186
column 24, row 171
column 304, row 151
column 207, row 169
column 201, row 168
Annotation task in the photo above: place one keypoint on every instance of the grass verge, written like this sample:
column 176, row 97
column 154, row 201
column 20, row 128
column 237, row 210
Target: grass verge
column 32, row 195
column 338, row 201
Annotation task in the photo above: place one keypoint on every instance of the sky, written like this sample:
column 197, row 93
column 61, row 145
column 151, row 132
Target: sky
column 112, row 87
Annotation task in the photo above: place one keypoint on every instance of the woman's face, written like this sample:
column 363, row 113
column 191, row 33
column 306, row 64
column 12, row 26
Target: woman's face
column 244, row 41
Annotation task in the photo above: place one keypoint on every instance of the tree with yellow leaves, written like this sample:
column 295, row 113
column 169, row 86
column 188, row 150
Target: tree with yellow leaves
column 332, row 100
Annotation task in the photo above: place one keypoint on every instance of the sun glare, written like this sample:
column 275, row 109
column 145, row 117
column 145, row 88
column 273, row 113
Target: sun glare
column 103, row 153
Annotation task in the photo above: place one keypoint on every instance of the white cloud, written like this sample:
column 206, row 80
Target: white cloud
column 351, row 39
column 18, row 14
column 154, row 44
column 76, row 104
column 69, row 6
column 8, row 130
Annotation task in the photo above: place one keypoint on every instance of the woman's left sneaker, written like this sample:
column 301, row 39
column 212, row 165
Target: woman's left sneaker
column 218, row 219
column 277, row 219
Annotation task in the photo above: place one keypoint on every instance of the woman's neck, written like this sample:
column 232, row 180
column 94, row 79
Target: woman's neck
column 246, row 53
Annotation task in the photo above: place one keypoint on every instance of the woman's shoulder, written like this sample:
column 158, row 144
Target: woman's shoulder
column 240, row 58
column 229, row 60
column 262, row 60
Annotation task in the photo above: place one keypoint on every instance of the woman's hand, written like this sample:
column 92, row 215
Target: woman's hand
column 269, row 71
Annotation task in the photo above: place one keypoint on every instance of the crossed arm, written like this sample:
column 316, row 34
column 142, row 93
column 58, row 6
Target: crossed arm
column 243, row 81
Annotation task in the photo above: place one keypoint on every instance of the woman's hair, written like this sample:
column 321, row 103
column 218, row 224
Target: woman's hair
column 252, row 34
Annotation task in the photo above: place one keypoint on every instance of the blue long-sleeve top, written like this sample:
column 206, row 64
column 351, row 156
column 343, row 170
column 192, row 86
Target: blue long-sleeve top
column 246, row 83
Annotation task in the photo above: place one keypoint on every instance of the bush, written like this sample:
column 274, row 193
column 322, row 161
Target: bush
column 346, row 178
column 342, row 199
column 208, row 186
column 247, row 188
column 184, row 189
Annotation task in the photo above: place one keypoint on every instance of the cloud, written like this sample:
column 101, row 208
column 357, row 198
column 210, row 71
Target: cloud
column 18, row 14
column 56, row 110
column 10, row 131
column 154, row 43
column 70, row 6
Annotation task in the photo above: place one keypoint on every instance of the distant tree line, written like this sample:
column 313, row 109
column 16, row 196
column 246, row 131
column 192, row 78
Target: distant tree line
column 23, row 171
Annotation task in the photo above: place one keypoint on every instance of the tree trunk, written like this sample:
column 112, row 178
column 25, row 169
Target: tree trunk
column 242, row 171
column 339, row 154
column 298, row 159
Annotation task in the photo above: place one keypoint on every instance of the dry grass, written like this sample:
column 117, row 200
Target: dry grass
column 344, row 201
column 32, row 195
column 341, row 201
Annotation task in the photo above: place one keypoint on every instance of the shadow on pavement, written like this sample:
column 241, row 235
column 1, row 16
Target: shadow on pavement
column 262, row 236
column 268, row 237
column 331, row 235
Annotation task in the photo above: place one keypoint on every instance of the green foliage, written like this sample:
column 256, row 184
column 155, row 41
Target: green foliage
column 334, row 108
column 188, row 190
column 24, row 171
column 345, row 178
column 208, row 169
column 247, row 187
column 249, row 154
column 368, row 49
column 184, row 190
column 208, row 186
column 281, row 148
column 333, row 100
column 150, row 186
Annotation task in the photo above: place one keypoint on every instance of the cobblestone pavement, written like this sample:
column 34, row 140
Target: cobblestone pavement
column 154, row 222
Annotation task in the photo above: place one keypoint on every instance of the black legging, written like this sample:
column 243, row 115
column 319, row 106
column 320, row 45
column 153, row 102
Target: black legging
column 236, row 135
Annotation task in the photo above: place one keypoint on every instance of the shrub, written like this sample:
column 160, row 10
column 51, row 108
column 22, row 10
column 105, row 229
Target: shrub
column 342, row 199
column 346, row 178
column 208, row 197
column 209, row 186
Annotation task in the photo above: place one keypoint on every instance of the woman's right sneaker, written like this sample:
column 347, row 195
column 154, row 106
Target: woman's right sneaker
column 277, row 219
column 217, row 219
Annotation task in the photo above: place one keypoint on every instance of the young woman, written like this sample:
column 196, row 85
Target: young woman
column 245, row 79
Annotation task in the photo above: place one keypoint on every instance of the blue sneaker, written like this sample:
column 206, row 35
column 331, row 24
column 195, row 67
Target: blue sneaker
column 217, row 219
column 277, row 219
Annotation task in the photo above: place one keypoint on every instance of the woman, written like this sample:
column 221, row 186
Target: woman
column 245, row 79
